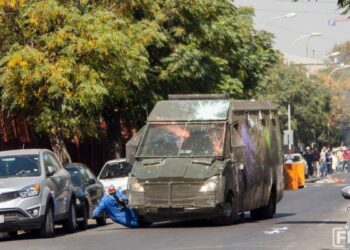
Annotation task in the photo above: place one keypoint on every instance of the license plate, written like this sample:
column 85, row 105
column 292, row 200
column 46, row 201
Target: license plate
column 2, row 219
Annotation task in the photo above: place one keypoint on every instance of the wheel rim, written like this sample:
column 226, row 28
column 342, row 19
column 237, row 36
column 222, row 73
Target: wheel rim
column 227, row 209
column 74, row 217
column 49, row 222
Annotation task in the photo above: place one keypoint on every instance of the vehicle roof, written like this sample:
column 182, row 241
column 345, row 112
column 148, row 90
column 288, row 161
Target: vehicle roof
column 31, row 151
column 115, row 161
column 203, row 109
column 252, row 105
column 74, row 165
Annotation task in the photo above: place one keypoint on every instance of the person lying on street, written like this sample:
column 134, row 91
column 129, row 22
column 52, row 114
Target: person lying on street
column 115, row 204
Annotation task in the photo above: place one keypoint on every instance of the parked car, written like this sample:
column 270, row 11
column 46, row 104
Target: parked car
column 115, row 172
column 297, row 158
column 88, row 191
column 35, row 193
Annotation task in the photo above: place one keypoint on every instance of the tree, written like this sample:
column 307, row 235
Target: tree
column 67, row 65
column 63, row 64
column 309, row 99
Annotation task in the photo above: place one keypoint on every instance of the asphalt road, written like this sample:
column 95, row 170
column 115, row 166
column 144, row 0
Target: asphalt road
column 305, row 220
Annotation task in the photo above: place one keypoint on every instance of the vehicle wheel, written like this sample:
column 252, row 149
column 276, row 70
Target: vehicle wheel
column 82, row 225
column 266, row 212
column 48, row 227
column 13, row 234
column 101, row 221
column 70, row 225
column 227, row 216
column 144, row 223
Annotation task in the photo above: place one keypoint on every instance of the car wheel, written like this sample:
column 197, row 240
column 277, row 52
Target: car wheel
column 266, row 212
column 144, row 223
column 12, row 234
column 101, row 221
column 227, row 216
column 48, row 227
column 82, row 225
column 70, row 225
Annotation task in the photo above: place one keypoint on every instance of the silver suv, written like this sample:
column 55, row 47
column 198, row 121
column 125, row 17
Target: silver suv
column 35, row 193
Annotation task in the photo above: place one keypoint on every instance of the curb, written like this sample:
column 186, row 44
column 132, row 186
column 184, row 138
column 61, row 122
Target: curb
column 313, row 179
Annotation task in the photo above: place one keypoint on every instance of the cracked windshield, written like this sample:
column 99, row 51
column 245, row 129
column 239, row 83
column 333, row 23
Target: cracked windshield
column 183, row 140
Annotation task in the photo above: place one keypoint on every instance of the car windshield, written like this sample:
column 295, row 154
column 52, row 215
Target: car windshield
column 183, row 139
column 115, row 170
column 75, row 176
column 19, row 166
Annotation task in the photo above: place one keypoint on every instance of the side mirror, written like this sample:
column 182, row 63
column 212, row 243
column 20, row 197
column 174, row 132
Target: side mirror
column 91, row 182
column 50, row 171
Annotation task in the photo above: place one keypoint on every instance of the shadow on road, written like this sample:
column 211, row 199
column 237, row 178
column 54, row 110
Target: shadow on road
column 33, row 236
column 313, row 222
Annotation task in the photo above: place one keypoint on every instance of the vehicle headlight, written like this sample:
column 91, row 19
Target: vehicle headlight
column 30, row 191
column 210, row 185
column 136, row 186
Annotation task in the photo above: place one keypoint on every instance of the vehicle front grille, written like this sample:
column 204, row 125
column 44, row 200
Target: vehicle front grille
column 174, row 194
column 11, row 214
column 8, row 196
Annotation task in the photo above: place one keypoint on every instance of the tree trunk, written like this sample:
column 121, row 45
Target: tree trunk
column 114, row 135
column 59, row 148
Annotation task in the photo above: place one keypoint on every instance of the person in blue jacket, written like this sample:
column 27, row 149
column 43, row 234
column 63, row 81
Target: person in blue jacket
column 115, row 205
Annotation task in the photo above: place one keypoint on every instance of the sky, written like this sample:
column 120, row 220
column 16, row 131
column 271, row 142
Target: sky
column 311, row 16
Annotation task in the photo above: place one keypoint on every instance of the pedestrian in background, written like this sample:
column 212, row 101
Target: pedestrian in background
column 308, row 156
column 323, row 163
column 346, row 158
column 329, row 160
column 315, row 162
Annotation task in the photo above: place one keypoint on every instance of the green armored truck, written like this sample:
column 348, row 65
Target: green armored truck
column 206, row 157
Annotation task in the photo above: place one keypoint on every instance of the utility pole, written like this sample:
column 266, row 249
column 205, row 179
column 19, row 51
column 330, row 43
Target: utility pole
column 289, row 128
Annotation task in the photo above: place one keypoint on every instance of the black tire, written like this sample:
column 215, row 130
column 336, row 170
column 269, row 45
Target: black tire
column 47, row 229
column 82, row 225
column 101, row 221
column 70, row 225
column 266, row 212
column 144, row 223
column 227, row 216
column 12, row 234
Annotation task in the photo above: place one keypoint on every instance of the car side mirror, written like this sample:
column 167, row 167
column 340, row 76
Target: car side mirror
column 91, row 182
column 50, row 171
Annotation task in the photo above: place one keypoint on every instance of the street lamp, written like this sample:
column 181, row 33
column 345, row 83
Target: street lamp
column 342, row 66
column 289, row 15
column 313, row 34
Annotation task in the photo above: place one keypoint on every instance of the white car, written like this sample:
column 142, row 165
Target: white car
column 115, row 172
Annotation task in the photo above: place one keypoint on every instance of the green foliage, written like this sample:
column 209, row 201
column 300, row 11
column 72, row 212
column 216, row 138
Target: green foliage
column 67, row 63
column 310, row 101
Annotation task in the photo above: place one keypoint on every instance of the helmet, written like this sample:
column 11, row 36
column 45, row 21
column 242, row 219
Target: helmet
column 111, row 190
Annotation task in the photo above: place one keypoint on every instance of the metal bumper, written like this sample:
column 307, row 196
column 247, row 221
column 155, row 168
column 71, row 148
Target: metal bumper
column 155, row 214
column 17, row 219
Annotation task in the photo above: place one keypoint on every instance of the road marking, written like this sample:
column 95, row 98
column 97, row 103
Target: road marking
column 341, row 185
column 276, row 230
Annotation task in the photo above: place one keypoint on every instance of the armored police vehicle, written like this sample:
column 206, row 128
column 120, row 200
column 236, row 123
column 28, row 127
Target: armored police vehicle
column 206, row 156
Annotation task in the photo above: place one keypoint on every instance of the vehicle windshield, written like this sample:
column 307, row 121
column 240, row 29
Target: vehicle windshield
column 19, row 166
column 183, row 139
column 75, row 176
column 115, row 170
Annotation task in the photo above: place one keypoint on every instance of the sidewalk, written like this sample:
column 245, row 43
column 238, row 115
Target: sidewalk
column 313, row 179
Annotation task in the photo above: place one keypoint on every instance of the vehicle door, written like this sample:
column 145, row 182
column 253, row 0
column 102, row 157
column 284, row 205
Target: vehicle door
column 98, row 189
column 248, row 132
column 53, row 183
column 90, row 187
column 239, row 164
column 64, row 182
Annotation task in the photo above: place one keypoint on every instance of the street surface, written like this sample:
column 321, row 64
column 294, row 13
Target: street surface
column 305, row 220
